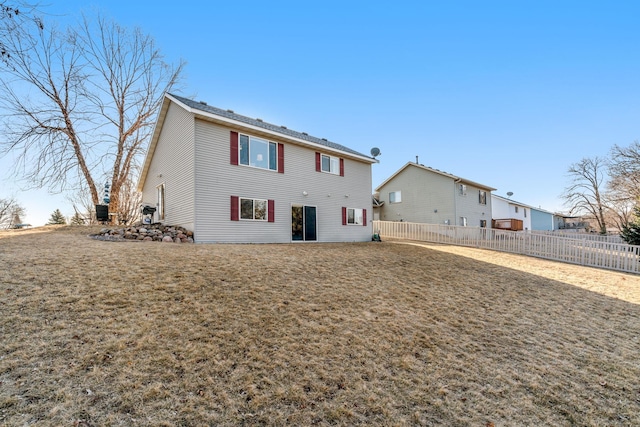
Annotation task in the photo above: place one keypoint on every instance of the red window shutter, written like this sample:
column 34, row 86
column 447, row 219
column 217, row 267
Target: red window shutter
column 235, row 207
column 364, row 217
column 280, row 158
column 344, row 216
column 234, row 148
column 317, row 162
column 341, row 167
column 271, row 211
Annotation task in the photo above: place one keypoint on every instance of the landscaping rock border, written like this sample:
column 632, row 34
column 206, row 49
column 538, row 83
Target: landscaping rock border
column 146, row 233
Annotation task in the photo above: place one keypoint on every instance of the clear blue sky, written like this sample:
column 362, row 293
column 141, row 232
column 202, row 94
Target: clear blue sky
column 504, row 93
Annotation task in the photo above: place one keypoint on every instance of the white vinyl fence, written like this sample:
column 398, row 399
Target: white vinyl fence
column 612, row 256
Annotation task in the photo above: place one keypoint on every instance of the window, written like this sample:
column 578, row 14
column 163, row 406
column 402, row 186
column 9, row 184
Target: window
column 258, row 152
column 525, row 212
column 329, row 164
column 462, row 189
column 483, row 223
column 395, row 197
column 354, row 216
column 516, row 209
column 243, row 208
column 254, row 209
column 463, row 221
column 482, row 197
column 160, row 191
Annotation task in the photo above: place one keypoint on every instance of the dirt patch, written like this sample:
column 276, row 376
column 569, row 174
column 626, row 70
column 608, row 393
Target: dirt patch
column 97, row 333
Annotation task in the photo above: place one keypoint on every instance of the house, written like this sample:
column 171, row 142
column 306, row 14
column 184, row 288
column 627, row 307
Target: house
column 542, row 220
column 231, row 178
column 570, row 223
column 417, row 193
column 508, row 214
column 512, row 215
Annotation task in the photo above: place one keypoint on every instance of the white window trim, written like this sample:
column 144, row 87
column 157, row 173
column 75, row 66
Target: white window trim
column 398, row 196
column 333, row 161
column 357, row 219
column 266, row 212
column 161, row 195
column 480, row 193
column 240, row 135
column 462, row 189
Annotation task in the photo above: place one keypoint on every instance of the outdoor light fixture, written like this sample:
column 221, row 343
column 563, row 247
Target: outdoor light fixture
column 304, row 193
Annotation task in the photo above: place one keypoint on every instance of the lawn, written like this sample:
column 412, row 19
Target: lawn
column 97, row 333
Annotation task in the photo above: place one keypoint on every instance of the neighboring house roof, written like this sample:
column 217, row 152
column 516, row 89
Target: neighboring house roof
column 426, row 168
column 513, row 202
column 229, row 117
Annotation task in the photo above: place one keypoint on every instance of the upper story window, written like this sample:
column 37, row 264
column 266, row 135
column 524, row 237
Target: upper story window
column 256, row 152
column 462, row 189
column 395, row 197
column 482, row 197
column 516, row 209
column 329, row 164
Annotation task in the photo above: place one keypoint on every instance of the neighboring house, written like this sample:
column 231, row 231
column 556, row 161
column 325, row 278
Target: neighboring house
column 509, row 214
column 572, row 223
column 521, row 216
column 417, row 193
column 542, row 220
column 231, row 178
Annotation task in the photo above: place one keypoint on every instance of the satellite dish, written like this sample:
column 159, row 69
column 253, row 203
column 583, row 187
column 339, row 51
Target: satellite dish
column 509, row 193
column 375, row 151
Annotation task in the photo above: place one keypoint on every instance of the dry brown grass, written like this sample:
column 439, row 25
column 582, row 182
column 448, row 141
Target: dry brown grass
column 103, row 333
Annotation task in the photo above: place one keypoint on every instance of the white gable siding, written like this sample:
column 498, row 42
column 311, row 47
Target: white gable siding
column 216, row 180
column 172, row 164
column 506, row 209
column 500, row 208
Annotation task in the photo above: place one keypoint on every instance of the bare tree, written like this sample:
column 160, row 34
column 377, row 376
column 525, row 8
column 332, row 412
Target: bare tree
column 624, row 170
column 14, row 16
column 81, row 103
column 585, row 196
column 9, row 210
column 130, row 203
column 83, row 205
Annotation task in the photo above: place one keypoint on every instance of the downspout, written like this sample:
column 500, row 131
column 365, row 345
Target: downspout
column 455, row 200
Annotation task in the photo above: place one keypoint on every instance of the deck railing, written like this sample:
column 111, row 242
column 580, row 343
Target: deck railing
column 612, row 256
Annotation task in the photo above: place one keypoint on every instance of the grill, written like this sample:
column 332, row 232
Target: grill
column 148, row 210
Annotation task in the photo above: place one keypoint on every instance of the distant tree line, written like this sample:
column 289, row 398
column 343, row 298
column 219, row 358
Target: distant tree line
column 606, row 190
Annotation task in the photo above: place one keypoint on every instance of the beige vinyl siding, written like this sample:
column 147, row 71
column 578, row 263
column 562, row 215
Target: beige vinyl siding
column 432, row 198
column 423, row 192
column 216, row 180
column 469, row 206
column 173, row 160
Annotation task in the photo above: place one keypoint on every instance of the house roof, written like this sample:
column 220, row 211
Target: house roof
column 439, row 172
column 513, row 202
column 283, row 130
column 229, row 117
